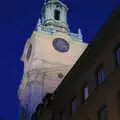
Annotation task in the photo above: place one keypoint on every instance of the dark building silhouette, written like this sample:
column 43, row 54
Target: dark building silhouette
column 91, row 90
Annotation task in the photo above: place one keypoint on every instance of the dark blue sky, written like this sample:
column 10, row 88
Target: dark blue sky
column 17, row 21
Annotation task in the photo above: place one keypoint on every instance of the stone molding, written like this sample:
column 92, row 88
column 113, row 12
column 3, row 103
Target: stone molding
column 36, row 77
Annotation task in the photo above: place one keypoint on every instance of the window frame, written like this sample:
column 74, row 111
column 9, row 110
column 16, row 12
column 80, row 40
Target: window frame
column 101, row 111
column 101, row 75
column 117, row 61
column 73, row 104
column 84, row 98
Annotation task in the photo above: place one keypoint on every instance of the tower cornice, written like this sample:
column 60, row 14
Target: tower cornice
column 57, row 2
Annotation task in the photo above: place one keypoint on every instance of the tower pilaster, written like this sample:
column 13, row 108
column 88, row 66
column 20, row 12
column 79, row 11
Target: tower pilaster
column 32, row 93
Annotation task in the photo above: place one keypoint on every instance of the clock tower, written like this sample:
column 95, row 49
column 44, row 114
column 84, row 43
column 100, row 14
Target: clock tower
column 49, row 54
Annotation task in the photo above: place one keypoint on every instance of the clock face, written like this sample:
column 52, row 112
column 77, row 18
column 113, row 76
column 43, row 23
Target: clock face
column 29, row 52
column 61, row 45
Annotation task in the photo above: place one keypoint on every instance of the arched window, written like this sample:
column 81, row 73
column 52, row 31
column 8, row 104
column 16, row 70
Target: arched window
column 29, row 51
column 73, row 105
column 57, row 15
column 85, row 92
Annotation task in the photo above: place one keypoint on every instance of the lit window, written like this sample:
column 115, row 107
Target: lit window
column 57, row 15
column 101, row 75
column 73, row 105
column 117, row 56
column 85, row 92
column 103, row 113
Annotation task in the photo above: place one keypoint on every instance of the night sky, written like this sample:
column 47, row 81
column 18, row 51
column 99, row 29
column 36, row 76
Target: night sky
column 17, row 21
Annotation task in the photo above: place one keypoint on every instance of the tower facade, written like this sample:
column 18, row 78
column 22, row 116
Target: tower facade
column 49, row 54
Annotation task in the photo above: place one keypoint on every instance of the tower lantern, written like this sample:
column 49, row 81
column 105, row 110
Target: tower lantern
column 54, row 15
